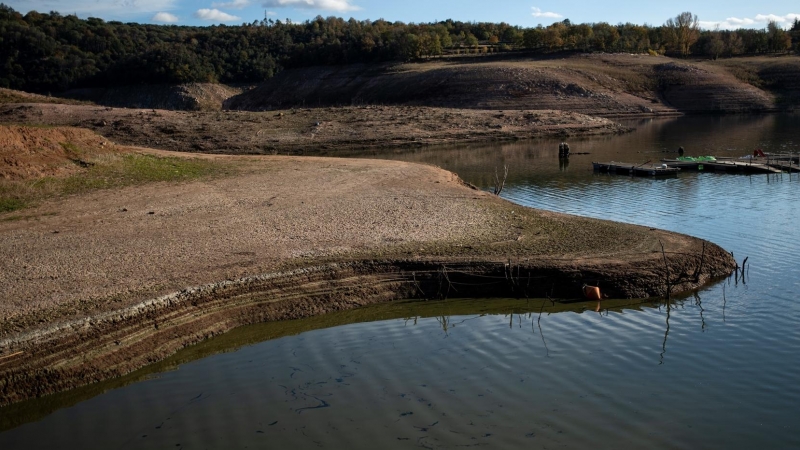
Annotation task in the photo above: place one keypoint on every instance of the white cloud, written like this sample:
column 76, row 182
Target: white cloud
column 327, row 5
column 537, row 12
column 759, row 21
column 770, row 18
column 235, row 4
column 741, row 22
column 165, row 17
column 215, row 15
column 97, row 8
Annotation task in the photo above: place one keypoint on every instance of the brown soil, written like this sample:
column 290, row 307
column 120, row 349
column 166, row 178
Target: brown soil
column 306, row 131
column 27, row 153
column 596, row 84
column 99, row 284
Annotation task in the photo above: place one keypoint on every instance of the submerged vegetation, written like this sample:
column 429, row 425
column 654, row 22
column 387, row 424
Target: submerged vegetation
column 51, row 52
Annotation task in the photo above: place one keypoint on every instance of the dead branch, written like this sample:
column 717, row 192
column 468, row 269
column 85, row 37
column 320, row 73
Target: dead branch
column 498, row 184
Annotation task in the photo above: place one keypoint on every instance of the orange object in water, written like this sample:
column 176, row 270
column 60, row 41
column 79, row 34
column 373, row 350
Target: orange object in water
column 591, row 292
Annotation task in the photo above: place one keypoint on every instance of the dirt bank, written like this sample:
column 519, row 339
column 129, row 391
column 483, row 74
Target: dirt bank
column 777, row 75
column 184, row 97
column 318, row 131
column 98, row 284
column 607, row 85
column 27, row 154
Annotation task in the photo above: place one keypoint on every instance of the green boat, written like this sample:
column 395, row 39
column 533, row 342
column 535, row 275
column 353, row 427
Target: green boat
column 697, row 158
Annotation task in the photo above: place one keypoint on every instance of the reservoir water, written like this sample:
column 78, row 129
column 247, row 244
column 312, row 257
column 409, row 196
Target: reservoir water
column 717, row 369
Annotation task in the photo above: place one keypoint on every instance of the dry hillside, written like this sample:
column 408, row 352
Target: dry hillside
column 12, row 96
column 780, row 75
column 185, row 97
column 597, row 84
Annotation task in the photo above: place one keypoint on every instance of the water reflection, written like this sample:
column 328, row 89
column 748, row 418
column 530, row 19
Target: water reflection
column 448, row 314
column 729, row 335
column 442, row 373
column 533, row 163
column 666, row 334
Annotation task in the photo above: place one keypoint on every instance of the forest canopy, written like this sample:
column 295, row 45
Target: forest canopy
column 52, row 52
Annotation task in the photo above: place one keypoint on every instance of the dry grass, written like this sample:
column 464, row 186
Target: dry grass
column 12, row 96
column 107, row 171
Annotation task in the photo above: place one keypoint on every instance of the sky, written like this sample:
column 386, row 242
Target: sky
column 726, row 14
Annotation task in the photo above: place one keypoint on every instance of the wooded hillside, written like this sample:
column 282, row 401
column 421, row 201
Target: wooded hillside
column 52, row 53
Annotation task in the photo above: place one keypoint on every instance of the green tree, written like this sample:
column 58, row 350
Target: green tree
column 794, row 32
column 682, row 32
column 411, row 46
column 512, row 35
column 733, row 43
column 634, row 38
column 581, row 36
column 533, row 37
column 605, row 37
column 553, row 37
column 430, row 44
column 471, row 40
column 714, row 45
column 754, row 41
column 778, row 40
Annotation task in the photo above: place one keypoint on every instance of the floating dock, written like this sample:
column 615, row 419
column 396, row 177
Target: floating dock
column 633, row 169
column 785, row 166
column 782, row 162
column 729, row 166
column 781, row 157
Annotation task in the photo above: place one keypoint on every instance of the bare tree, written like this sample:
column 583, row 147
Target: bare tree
column 498, row 183
column 683, row 31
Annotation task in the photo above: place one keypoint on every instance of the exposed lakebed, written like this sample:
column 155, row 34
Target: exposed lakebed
column 716, row 369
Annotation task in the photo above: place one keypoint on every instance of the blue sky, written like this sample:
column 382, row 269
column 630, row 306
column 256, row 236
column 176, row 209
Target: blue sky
column 725, row 13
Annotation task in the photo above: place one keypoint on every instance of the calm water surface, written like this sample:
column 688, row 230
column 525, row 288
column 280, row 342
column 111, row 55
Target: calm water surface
column 718, row 369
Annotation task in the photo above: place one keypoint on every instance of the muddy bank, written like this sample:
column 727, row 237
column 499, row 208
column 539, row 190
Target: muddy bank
column 118, row 342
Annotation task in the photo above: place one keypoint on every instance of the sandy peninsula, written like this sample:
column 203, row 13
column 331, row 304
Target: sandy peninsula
column 100, row 281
